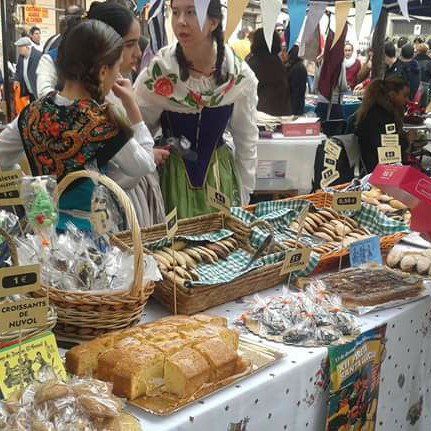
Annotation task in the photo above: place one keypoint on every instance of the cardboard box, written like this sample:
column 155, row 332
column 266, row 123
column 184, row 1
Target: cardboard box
column 302, row 126
column 409, row 186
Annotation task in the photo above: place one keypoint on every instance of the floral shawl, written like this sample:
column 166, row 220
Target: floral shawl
column 162, row 78
column 62, row 139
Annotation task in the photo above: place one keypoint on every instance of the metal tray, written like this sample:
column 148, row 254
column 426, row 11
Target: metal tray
column 253, row 358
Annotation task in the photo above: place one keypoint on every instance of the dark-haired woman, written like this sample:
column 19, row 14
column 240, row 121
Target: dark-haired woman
column 68, row 131
column 272, row 90
column 297, row 75
column 144, row 193
column 384, row 103
column 194, row 91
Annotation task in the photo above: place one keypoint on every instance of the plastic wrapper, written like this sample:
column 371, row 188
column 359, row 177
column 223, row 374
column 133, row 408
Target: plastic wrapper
column 9, row 223
column 39, row 197
column 74, row 262
column 307, row 317
column 81, row 404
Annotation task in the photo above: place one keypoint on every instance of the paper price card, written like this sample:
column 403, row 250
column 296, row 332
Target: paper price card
column 35, row 354
column 389, row 155
column 10, row 188
column 171, row 222
column 28, row 313
column 218, row 200
column 365, row 251
column 332, row 149
column 390, row 140
column 347, row 201
column 391, row 128
column 296, row 260
column 329, row 175
column 329, row 162
column 19, row 280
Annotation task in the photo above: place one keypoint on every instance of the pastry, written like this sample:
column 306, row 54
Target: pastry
column 186, row 372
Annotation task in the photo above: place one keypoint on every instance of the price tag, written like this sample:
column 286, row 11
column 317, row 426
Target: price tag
column 332, row 149
column 390, row 140
column 19, row 280
column 10, row 188
column 329, row 162
column 365, row 251
column 218, row 200
column 390, row 128
column 347, row 201
column 329, row 175
column 28, row 313
column 296, row 260
column 389, row 155
column 171, row 222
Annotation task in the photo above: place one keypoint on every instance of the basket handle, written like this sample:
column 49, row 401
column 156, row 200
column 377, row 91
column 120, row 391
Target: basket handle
column 12, row 247
column 130, row 214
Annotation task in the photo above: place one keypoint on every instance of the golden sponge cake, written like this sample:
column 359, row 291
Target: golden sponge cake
column 220, row 357
column 186, row 372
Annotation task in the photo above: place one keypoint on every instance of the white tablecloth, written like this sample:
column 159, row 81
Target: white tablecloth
column 292, row 394
column 293, row 157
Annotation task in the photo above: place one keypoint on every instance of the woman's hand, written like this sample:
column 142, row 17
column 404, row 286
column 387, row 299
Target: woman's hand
column 161, row 155
column 124, row 91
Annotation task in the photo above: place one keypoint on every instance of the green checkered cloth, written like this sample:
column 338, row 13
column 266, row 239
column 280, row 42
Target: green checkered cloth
column 237, row 263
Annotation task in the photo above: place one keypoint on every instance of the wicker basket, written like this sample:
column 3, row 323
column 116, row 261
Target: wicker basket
column 193, row 300
column 11, row 337
column 86, row 315
column 329, row 261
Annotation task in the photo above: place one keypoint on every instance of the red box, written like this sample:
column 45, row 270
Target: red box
column 304, row 126
column 409, row 186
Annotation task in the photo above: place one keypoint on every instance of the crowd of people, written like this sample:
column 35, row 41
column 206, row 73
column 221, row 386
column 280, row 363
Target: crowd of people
column 189, row 121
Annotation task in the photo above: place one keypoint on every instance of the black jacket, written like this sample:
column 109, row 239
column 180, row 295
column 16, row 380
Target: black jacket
column 33, row 62
column 273, row 87
column 409, row 70
column 369, row 132
column 424, row 63
column 297, row 75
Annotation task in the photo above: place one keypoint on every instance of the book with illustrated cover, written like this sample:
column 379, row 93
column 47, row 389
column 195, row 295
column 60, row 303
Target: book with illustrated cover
column 37, row 353
column 354, row 382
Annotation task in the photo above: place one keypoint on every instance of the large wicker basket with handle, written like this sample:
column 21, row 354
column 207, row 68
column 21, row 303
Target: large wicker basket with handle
column 11, row 337
column 86, row 315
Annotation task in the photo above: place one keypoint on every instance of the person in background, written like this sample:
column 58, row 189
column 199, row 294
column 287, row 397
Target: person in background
column 393, row 65
column 68, row 131
column 353, row 65
column 424, row 62
column 194, row 90
column 410, row 69
column 28, row 61
column 34, row 34
column 384, row 103
column 136, row 69
column 54, row 41
column 279, row 28
column 416, row 42
column 273, row 88
column 297, row 75
column 241, row 47
column 365, row 72
column 400, row 43
column 429, row 43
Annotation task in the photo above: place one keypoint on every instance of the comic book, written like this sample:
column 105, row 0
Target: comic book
column 354, row 382
column 36, row 353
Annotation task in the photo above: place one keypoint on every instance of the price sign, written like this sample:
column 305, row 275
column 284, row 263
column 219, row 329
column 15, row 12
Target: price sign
column 218, row 200
column 171, row 222
column 365, row 251
column 329, row 175
column 19, row 280
column 390, row 140
column 347, row 201
column 10, row 188
column 329, row 162
column 28, row 313
column 389, row 155
column 296, row 260
column 332, row 149
column 390, row 128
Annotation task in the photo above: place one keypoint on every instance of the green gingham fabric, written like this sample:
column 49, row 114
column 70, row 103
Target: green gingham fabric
column 235, row 266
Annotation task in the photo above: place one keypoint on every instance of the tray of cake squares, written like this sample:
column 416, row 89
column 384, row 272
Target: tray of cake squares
column 163, row 366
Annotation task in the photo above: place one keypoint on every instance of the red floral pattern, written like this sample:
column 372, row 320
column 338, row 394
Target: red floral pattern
column 164, row 87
